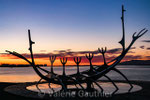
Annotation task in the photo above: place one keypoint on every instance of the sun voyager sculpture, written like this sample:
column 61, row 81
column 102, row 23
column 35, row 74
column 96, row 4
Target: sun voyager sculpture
column 87, row 77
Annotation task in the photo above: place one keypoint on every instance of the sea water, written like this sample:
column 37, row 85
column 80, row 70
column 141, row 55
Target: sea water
column 27, row 74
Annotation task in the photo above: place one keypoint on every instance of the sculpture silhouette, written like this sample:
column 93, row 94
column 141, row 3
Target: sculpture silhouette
column 77, row 60
column 64, row 61
column 89, row 76
column 52, row 60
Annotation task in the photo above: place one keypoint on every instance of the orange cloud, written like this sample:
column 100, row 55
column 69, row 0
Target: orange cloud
column 43, row 58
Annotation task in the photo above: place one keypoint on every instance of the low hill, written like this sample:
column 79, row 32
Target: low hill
column 136, row 62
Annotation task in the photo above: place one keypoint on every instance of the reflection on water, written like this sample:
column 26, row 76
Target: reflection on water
column 107, row 86
column 28, row 74
column 44, row 87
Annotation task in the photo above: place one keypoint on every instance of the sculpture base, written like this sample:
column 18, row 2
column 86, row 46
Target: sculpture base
column 30, row 90
column 107, row 86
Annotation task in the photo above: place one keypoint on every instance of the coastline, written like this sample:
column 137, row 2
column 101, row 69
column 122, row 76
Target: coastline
column 71, row 66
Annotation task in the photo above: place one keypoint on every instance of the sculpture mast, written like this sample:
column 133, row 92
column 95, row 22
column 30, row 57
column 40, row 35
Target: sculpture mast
column 122, row 42
column 30, row 48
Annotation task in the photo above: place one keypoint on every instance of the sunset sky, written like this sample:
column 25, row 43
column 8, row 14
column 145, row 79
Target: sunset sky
column 72, row 28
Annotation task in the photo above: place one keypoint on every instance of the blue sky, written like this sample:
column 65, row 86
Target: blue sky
column 70, row 24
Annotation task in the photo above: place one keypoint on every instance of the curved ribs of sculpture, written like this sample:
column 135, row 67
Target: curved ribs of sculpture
column 89, row 76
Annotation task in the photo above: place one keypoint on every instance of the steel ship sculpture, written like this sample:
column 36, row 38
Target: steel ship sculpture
column 88, row 77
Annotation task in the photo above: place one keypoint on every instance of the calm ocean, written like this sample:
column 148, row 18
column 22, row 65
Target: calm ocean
column 26, row 74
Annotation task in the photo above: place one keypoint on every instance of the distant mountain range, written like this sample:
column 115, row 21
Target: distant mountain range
column 136, row 62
